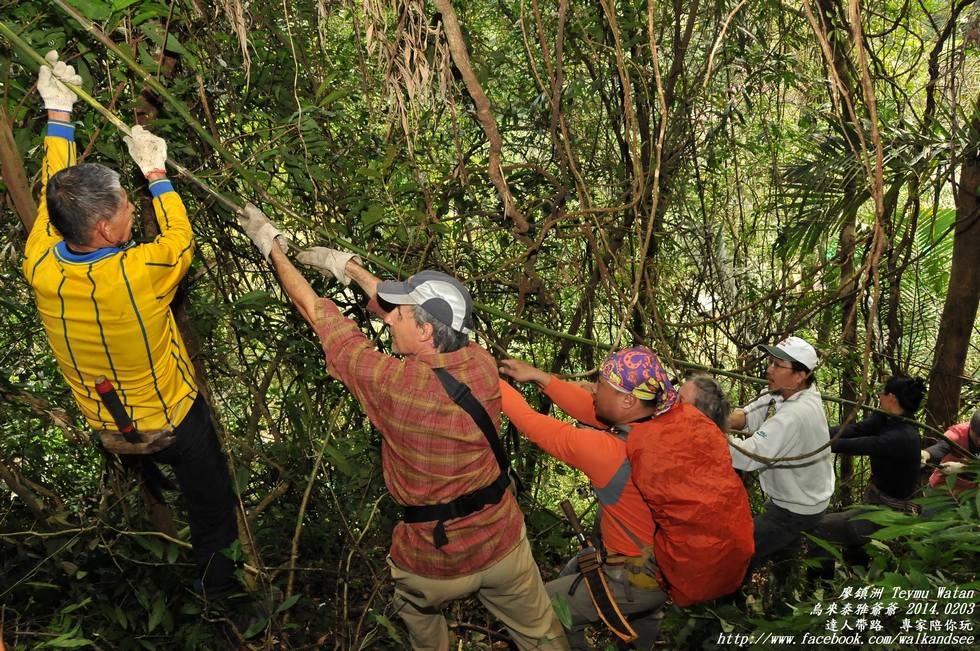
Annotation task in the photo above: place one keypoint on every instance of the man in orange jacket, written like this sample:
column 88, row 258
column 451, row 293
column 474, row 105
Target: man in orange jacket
column 675, row 515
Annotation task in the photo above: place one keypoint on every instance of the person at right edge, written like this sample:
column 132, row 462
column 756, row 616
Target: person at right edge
column 951, row 460
column 798, row 490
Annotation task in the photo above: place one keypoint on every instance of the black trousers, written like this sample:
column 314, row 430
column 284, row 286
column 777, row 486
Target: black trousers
column 778, row 533
column 845, row 528
column 202, row 474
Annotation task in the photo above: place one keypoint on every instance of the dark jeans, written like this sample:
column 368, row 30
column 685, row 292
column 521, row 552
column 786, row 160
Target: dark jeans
column 202, row 475
column 778, row 533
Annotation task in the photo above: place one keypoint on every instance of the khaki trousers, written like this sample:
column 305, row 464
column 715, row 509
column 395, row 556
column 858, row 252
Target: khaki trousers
column 511, row 589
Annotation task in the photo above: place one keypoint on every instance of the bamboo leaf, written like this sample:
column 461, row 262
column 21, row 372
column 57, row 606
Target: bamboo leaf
column 93, row 9
column 288, row 603
column 156, row 614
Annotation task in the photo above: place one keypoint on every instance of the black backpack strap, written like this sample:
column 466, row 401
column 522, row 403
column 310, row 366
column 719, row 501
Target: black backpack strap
column 474, row 501
column 462, row 396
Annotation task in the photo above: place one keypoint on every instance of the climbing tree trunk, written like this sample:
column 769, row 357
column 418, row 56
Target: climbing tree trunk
column 461, row 59
column 960, row 311
column 14, row 177
column 849, row 339
column 837, row 39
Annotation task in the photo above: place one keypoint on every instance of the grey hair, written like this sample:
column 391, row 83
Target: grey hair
column 444, row 338
column 712, row 401
column 81, row 196
column 975, row 422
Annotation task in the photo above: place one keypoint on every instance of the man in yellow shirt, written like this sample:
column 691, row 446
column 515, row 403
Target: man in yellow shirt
column 104, row 302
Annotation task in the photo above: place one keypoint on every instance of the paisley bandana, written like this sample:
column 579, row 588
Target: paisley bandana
column 637, row 371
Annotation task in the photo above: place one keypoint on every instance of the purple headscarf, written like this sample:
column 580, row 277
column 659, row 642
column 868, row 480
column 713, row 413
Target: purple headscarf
column 637, row 371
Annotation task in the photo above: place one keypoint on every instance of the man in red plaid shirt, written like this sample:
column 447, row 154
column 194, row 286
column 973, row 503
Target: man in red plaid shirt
column 463, row 531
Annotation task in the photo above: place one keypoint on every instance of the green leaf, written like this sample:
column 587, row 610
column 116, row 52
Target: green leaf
column 288, row 603
column 72, row 643
column 563, row 610
column 122, row 4
column 388, row 626
column 242, row 475
column 156, row 614
column 172, row 552
column 152, row 545
column 72, row 608
column 257, row 298
column 338, row 459
column 121, row 616
column 255, row 628
column 154, row 31
column 92, row 9
column 154, row 11
column 190, row 608
column 372, row 216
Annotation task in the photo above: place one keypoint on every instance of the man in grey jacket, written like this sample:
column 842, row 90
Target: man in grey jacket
column 788, row 445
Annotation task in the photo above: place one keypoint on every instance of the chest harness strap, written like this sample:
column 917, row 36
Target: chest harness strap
column 474, row 501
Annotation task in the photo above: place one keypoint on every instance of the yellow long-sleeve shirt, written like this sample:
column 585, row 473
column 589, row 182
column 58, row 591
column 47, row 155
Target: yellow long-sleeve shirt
column 108, row 312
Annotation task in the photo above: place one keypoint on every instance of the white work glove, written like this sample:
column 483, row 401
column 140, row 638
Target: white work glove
column 57, row 96
column 951, row 467
column 149, row 151
column 925, row 456
column 261, row 231
column 329, row 261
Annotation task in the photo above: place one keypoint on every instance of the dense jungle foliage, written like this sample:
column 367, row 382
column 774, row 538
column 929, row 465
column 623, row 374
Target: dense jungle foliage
column 701, row 177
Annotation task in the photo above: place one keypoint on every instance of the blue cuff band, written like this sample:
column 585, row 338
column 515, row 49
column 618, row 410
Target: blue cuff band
column 59, row 129
column 161, row 186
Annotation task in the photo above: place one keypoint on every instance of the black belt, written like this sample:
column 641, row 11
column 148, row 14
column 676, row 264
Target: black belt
column 458, row 508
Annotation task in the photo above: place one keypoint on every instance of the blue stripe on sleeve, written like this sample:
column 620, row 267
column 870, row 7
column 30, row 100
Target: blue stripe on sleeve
column 59, row 129
column 161, row 186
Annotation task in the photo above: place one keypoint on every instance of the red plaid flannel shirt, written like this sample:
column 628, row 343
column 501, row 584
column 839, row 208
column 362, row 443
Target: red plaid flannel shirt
column 432, row 451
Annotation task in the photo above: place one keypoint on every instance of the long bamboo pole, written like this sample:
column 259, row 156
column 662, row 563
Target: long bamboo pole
column 234, row 206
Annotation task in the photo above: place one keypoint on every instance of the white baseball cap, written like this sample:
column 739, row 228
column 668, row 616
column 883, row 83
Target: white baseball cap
column 437, row 293
column 794, row 349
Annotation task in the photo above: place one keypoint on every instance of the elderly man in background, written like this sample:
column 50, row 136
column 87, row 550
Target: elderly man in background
column 104, row 302
column 706, row 395
column 462, row 531
column 798, row 490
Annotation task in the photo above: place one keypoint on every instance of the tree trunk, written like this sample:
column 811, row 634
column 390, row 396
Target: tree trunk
column 963, row 295
column 849, row 339
column 484, row 114
column 14, row 177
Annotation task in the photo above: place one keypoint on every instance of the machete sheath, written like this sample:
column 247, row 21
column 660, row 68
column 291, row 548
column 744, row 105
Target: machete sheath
column 590, row 569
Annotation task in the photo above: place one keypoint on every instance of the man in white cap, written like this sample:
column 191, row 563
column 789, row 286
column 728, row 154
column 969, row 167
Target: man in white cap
column 462, row 531
column 789, row 448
